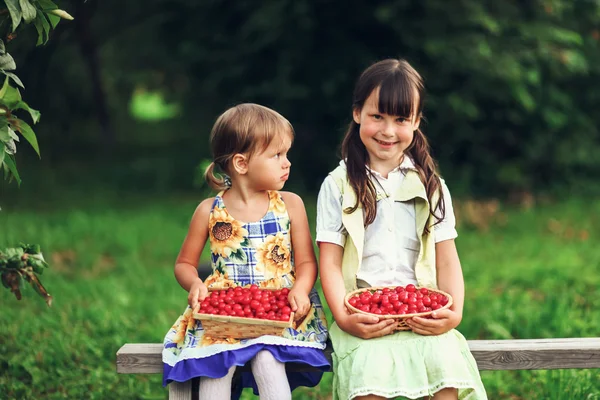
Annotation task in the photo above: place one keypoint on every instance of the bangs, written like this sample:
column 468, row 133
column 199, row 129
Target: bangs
column 270, row 127
column 399, row 96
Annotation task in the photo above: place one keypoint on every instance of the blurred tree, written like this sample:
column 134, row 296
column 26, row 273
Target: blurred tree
column 511, row 105
column 25, row 262
column 44, row 15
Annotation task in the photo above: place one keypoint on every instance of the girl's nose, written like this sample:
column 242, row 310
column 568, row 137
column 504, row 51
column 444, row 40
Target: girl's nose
column 388, row 129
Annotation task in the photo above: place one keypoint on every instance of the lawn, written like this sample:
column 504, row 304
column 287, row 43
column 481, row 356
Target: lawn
column 529, row 272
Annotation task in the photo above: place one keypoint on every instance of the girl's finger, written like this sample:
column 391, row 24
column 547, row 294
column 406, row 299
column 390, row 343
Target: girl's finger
column 424, row 322
column 293, row 303
column 421, row 331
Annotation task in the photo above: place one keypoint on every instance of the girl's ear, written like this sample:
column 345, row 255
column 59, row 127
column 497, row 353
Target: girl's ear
column 240, row 163
column 417, row 123
column 356, row 115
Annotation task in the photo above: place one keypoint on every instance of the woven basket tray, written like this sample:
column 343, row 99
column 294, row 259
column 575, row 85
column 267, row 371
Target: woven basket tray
column 400, row 318
column 225, row 326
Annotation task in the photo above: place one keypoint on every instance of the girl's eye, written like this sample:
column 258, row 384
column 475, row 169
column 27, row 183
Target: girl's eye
column 376, row 116
column 277, row 155
column 401, row 120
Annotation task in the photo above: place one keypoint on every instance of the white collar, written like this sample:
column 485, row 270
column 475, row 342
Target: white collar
column 406, row 164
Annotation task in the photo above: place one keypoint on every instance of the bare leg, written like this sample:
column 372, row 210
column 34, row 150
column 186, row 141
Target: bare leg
column 446, row 394
column 369, row 397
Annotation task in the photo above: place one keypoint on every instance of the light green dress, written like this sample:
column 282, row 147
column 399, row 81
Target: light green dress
column 404, row 363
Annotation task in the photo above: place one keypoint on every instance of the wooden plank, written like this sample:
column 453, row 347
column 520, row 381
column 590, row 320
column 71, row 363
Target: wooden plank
column 180, row 390
column 536, row 353
column 140, row 358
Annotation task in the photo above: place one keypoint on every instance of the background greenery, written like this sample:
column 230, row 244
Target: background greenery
column 128, row 92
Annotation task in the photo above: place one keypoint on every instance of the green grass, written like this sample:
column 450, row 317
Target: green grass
column 533, row 276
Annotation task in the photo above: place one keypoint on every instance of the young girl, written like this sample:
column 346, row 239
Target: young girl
column 258, row 236
column 385, row 219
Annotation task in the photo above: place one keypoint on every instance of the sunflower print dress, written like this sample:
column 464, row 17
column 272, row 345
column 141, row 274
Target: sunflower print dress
column 242, row 254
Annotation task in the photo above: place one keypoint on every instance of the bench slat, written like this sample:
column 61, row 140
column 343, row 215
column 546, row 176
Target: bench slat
column 145, row 358
column 536, row 353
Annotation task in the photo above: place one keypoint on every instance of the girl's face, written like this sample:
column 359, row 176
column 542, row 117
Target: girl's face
column 270, row 169
column 384, row 136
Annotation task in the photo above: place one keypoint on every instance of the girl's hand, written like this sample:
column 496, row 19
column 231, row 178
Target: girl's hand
column 299, row 302
column 198, row 292
column 442, row 321
column 366, row 326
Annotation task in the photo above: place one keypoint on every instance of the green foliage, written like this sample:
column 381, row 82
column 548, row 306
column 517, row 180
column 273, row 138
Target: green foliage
column 23, row 264
column 44, row 15
column 532, row 276
column 510, row 103
column 151, row 106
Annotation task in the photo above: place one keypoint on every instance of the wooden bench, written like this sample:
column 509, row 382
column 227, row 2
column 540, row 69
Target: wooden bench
column 145, row 358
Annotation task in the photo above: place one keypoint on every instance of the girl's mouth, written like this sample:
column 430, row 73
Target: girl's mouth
column 387, row 144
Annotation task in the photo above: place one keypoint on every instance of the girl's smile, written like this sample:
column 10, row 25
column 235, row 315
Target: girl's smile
column 386, row 145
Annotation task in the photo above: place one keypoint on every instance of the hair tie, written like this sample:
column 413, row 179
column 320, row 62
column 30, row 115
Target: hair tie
column 227, row 180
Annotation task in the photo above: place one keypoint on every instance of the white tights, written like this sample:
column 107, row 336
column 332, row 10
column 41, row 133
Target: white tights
column 269, row 375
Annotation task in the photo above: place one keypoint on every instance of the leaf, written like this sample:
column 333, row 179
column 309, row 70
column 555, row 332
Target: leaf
column 12, row 167
column 35, row 114
column 47, row 5
column 28, row 9
column 62, row 14
column 38, row 287
column 15, row 12
column 25, row 130
column 14, row 77
column 45, row 27
column 40, row 31
column 9, row 95
column 7, row 62
column 2, row 153
column 12, row 134
column 4, row 135
column 4, row 88
column 54, row 20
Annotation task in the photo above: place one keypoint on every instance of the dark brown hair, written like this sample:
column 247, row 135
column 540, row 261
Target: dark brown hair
column 244, row 129
column 397, row 82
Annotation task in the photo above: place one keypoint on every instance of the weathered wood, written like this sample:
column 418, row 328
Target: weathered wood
column 536, row 353
column 140, row 358
column 145, row 358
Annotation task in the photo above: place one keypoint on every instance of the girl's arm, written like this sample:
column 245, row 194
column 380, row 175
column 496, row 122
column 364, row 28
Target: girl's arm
column 186, row 265
column 450, row 280
column 449, row 274
column 361, row 325
column 332, row 281
column 305, row 260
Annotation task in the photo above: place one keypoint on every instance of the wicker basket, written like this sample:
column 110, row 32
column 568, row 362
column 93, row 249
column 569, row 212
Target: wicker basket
column 400, row 318
column 224, row 327
column 230, row 327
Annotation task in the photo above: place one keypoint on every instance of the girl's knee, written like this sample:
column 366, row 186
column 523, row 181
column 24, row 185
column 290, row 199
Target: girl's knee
column 265, row 357
column 446, row 394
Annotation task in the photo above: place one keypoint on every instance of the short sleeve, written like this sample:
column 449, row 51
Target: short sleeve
column 446, row 228
column 329, row 214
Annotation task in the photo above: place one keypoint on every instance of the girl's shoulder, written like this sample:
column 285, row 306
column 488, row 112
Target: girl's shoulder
column 205, row 206
column 291, row 199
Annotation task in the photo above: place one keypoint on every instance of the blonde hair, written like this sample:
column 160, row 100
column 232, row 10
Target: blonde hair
column 244, row 129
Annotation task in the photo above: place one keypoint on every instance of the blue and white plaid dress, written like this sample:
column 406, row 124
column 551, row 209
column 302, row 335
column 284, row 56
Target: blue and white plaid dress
column 242, row 254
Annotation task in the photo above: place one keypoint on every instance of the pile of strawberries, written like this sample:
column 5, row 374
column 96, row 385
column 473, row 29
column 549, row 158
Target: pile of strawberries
column 249, row 302
column 398, row 300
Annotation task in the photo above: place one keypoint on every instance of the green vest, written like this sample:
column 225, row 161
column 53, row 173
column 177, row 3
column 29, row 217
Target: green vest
column 411, row 188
